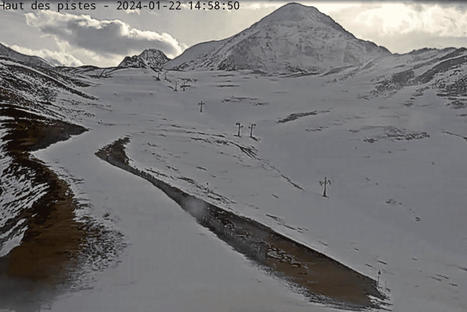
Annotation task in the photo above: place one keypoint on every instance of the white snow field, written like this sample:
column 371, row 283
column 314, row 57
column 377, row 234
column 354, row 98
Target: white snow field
column 396, row 202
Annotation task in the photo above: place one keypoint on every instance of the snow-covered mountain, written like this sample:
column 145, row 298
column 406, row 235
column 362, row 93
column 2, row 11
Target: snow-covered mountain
column 25, row 59
column 294, row 38
column 149, row 58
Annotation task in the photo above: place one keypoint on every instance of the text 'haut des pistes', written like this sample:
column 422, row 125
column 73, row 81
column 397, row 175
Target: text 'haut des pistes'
column 44, row 6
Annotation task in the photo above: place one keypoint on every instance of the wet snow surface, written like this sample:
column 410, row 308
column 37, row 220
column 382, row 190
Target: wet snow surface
column 395, row 155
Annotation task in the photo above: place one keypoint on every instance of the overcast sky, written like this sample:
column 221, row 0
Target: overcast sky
column 104, row 36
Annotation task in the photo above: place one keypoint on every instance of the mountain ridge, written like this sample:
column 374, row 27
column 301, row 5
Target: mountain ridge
column 149, row 58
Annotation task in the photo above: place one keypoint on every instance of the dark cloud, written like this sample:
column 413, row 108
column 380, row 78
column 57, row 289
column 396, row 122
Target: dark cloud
column 101, row 36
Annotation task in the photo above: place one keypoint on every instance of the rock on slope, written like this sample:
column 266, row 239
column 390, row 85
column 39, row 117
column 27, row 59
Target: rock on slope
column 150, row 58
column 441, row 69
column 24, row 59
column 294, row 38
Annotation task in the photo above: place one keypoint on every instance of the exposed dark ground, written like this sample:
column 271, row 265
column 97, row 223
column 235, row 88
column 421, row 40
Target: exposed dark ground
column 53, row 237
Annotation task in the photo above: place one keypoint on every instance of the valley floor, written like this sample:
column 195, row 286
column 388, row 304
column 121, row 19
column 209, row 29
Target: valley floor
column 396, row 201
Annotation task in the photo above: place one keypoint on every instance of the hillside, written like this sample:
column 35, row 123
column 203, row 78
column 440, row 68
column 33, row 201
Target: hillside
column 22, row 58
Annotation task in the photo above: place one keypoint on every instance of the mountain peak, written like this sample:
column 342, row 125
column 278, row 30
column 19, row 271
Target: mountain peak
column 148, row 53
column 308, row 17
column 293, row 38
column 294, row 10
column 149, row 58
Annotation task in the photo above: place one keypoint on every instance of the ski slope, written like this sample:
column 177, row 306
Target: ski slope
column 396, row 202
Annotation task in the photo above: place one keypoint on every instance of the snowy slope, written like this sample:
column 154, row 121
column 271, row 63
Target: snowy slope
column 397, row 196
column 387, row 161
column 294, row 38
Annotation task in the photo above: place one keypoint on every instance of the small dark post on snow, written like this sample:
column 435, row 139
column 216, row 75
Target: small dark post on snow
column 379, row 275
column 240, row 126
column 251, row 127
column 201, row 106
column 176, row 84
column 165, row 75
column 325, row 183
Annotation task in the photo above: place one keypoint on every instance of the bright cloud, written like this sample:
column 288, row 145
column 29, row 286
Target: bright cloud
column 112, row 37
column 404, row 26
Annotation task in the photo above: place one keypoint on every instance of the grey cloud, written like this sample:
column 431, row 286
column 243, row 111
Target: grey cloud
column 101, row 36
column 56, row 58
column 398, row 43
column 458, row 5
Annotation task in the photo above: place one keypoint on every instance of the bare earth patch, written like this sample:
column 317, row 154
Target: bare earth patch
column 53, row 237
